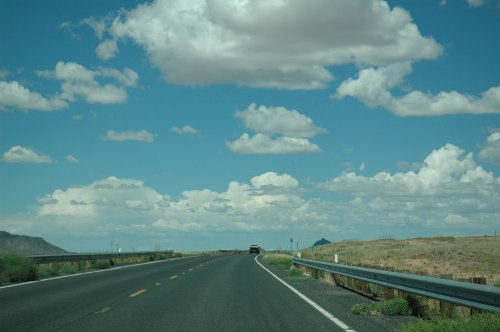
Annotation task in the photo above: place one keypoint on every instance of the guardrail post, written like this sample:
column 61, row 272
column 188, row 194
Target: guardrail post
column 389, row 293
column 481, row 281
column 446, row 308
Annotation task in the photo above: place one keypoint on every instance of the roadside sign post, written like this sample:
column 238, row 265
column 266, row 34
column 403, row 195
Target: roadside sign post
column 291, row 244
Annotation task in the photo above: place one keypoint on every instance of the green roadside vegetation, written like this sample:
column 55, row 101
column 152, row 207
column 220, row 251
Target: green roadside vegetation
column 393, row 307
column 15, row 267
column 477, row 323
column 284, row 262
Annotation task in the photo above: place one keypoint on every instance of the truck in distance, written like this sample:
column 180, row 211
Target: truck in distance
column 254, row 249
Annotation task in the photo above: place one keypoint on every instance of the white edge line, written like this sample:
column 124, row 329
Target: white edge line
column 90, row 272
column 316, row 306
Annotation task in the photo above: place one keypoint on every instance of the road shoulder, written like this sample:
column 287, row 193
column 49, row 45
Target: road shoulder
column 338, row 301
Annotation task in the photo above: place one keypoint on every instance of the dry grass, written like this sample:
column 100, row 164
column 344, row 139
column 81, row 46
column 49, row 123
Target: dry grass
column 463, row 257
column 278, row 259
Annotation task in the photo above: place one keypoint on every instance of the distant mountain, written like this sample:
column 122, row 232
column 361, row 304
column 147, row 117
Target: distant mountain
column 27, row 245
column 321, row 242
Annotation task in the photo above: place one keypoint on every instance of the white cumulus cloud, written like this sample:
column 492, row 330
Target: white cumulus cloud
column 272, row 44
column 475, row 3
column 126, row 77
column 278, row 131
column 14, row 94
column 71, row 159
column 119, row 203
column 278, row 120
column 101, row 199
column 107, row 49
column 98, row 25
column 491, row 152
column 448, row 193
column 22, row 155
column 274, row 179
column 444, row 171
column 187, row 129
column 76, row 81
column 472, row 3
column 3, row 74
column 373, row 87
column 264, row 144
column 120, row 136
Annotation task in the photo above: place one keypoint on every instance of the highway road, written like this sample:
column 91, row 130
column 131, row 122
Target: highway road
column 208, row 293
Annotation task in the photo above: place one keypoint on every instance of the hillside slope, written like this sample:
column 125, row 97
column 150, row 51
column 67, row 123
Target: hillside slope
column 27, row 245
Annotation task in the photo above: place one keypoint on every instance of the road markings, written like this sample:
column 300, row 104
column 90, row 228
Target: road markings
column 137, row 293
column 316, row 306
column 191, row 269
column 172, row 277
column 103, row 310
column 158, row 284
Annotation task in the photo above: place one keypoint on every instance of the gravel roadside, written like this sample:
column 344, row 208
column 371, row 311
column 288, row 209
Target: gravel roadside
column 338, row 301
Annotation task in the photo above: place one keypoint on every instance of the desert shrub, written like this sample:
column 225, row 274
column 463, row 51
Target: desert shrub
column 53, row 270
column 376, row 290
column 177, row 254
column 298, row 274
column 101, row 264
column 17, row 268
column 360, row 308
column 48, row 271
column 394, row 307
column 423, row 307
column 160, row 257
column 295, row 273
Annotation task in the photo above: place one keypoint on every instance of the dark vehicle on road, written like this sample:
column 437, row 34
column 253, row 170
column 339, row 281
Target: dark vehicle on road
column 254, row 249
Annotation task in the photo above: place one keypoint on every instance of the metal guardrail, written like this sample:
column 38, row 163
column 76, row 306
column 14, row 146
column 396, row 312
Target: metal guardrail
column 45, row 259
column 462, row 293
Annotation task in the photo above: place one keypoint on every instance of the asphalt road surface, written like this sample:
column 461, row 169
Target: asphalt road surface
column 209, row 293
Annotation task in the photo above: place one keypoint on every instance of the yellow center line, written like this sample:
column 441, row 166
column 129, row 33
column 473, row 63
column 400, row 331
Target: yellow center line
column 173, row 277
column 137, row 293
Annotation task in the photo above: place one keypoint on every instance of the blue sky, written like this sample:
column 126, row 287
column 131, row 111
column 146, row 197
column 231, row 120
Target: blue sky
column 208, row 124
